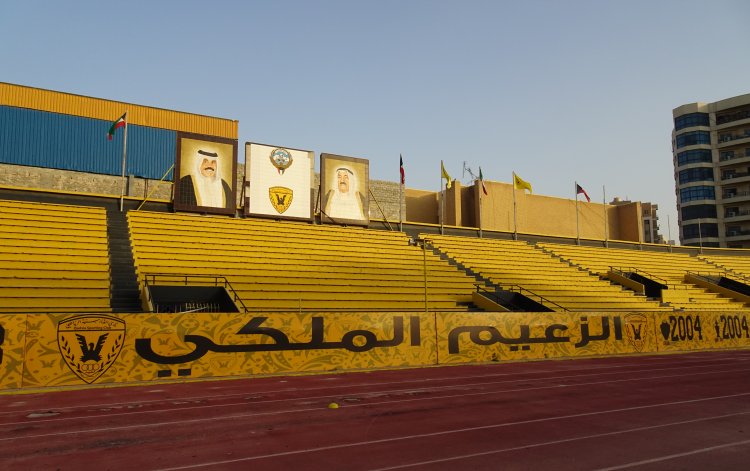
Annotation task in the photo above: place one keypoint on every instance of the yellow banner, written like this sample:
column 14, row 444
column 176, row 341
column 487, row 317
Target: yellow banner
column 483, row 337
column 686, row 331
column 40, row 350
column 96, row 349
column 12, row 341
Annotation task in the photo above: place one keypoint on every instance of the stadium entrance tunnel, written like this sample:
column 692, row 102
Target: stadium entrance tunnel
column 190, row 293
column 499, row 300
column 191, row 299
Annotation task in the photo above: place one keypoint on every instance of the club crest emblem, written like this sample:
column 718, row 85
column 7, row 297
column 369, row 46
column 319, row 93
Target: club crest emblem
column 635, row 330
column 281, row 198
column 281, row 159
column 90, row 344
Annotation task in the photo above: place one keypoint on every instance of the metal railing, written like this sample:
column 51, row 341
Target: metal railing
column 715, row 277
column 150, row 279
column 521, row 290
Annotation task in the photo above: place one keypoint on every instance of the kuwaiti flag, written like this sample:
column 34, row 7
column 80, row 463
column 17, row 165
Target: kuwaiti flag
column 401, row 169
column 120, row 123
column 481, row 180
column 580, row 190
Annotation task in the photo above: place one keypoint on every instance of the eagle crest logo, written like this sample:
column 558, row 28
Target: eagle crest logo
column 90, row 344
column 636, row 330
column 281, row 198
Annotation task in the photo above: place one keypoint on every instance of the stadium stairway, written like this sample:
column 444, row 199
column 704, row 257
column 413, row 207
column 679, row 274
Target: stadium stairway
column 666, row 268
column 509, row 300
column 521, row 267
column 124, row 296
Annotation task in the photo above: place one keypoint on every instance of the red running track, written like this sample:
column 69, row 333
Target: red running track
column 669, row 412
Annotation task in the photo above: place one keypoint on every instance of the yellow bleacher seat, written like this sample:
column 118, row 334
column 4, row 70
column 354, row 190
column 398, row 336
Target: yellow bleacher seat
column 54, row 258
column 281, row 265
column 560, row 286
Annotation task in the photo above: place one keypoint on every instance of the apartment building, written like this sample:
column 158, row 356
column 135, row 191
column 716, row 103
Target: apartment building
column 711, row 156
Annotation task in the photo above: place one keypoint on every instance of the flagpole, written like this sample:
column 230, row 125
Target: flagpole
column 606, row 226
column 669, row 234
column 479, row 194
column 124, row 161
column 442, row 199
column 400, row 207
column 515, row 221
column 578, row 230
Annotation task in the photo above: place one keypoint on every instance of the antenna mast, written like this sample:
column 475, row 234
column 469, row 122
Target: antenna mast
column 468, row 170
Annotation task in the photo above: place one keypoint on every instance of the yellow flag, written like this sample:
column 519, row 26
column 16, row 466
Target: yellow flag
column 445, row 175
column 520, row 184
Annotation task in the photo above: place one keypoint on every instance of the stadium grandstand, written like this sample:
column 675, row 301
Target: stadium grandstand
column 80, row 236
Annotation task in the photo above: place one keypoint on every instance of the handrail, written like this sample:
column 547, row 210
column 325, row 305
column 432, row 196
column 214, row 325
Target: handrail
column 646, row 274
column 224, row 283
column 381, row 209
column 726, row 274
column 161, row 180
column 520, row 290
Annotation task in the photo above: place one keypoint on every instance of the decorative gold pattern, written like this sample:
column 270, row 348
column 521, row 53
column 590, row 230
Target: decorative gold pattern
column 41, row 350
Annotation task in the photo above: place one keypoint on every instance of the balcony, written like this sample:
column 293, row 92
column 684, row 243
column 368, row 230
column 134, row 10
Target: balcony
column 733, row 139
column 737, row 216
column 736, row 197
column 735, row 159
column 728, row 120
column 736, row 235
column 734, row 176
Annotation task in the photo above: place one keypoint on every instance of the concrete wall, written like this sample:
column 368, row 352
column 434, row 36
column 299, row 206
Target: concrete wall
column 386, row 193
column 421, row 206
column 536, row 214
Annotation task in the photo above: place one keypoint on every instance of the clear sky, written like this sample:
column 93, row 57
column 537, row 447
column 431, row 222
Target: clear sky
column 556, row 91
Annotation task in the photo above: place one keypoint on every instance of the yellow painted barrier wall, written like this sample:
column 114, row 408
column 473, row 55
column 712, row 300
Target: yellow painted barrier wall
column 49, row 350
column 77, row 350
column 686, row 331
column 12, row 342
column 471, row 337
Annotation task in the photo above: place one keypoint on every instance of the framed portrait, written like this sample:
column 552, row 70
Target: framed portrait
column 344, row 184
column 279, row 181
column 205, row 174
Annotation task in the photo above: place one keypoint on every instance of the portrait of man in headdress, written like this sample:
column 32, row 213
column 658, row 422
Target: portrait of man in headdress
column 344, row 186
column 344, row 200
column 205, row 187
column 206, row 172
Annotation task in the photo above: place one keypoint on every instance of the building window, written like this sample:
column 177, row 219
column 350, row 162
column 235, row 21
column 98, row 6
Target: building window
column 696, row 175
column 689, row 120
column 694, row 156
column 698, row 212
column 726, row 155
column 697, row 193
column 693, row 138
column 690, row 231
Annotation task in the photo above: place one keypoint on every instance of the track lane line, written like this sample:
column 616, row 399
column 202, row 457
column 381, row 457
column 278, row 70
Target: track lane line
column 318, row 409
column 566, row 440
column 330, row 396
column 675, row 455
column 734, row 359
column 449, row 432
